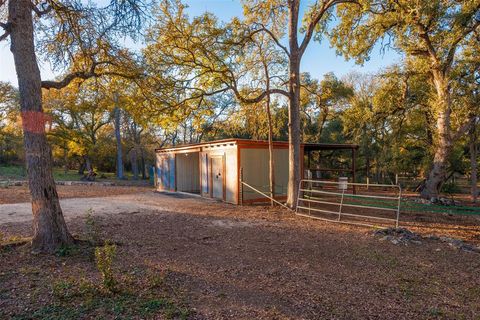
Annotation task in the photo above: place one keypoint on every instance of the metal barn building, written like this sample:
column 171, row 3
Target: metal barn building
column 212, row 169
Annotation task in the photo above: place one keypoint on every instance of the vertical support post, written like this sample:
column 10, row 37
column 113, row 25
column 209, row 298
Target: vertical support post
column 155, row 175
column 354, row 170
column 341, row 205
column 309, row 155
column 310, row 193
column 398, row 209
column 241, row 186
column 298, row 195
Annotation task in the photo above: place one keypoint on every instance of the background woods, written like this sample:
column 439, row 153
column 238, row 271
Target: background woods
column 195, row 79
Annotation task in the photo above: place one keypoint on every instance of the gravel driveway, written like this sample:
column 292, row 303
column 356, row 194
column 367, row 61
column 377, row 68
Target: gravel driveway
column 77, row 207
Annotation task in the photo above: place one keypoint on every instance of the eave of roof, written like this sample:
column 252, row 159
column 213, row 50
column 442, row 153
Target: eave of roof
column 307, row 146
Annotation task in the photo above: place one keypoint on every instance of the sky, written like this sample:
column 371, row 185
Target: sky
column 318, row 59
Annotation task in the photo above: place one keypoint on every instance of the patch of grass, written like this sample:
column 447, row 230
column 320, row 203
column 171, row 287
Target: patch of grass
column 63, row 289
column 155, row 279
column 73, row 303
column 66, row 250
column 435, row 312
column 53, row 312
column 409, row 288
column 12, row 172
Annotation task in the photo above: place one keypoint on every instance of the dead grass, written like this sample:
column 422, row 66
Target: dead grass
column 204, row 260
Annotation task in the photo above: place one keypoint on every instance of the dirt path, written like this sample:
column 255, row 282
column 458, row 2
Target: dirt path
column 101, row 206
column 230, row 262
column 19, row 194
column 76, row 207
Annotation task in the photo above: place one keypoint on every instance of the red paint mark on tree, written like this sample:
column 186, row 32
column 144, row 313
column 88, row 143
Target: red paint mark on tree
column 34, row 121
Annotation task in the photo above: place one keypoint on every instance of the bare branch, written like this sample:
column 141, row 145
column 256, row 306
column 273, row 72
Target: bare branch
column 84, row 75
column 6, row 27
column 41, row 12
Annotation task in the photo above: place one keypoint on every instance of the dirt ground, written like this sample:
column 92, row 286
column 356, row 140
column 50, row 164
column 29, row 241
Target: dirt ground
column 20, row 194
column 182, row 257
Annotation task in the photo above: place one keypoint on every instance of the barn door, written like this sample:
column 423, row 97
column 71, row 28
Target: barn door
column 171, row 169
column 217, row 177
column 205, row 177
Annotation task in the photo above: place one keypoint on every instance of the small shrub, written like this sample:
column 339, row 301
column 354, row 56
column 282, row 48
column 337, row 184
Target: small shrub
column 451, row 188
column 152, row 306
column 63, row 289
column 91, row 227
column 156, row 280
column 63, row 251
column 104, row 257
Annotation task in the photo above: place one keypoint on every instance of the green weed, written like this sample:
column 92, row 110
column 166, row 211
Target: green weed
column 92, row 229
column 104, row 257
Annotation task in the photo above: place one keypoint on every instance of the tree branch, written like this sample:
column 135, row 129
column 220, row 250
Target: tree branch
column 6, row 27
column 453, row 48
column 316, row 19
column 275, row 39
column 82, row 75
column 426, row 38
column 40, row 12
column 464, row 128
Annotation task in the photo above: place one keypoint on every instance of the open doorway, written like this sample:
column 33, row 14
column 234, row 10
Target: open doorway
column 188, row 173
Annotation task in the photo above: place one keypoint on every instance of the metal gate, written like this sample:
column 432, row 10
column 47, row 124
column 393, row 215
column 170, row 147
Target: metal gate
column 347, row 202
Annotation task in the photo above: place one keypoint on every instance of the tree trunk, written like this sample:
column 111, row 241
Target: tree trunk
column 134, row 161
column 83, row 165
column 270, row 138
column 473, row 163
column 88, row 163
column 142, row 161
column 443, row 142
column 293, row 110
column 118, row 138
column 49, row 227
column 65, row 159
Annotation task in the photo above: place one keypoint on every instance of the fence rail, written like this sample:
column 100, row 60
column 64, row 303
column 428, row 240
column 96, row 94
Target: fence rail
column 332, row 193
column 263, row 194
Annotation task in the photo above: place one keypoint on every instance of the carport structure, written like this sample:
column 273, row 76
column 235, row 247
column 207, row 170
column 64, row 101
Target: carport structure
column 213, row 169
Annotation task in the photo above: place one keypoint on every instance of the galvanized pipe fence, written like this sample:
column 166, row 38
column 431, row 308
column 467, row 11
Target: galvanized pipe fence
column 328, row 194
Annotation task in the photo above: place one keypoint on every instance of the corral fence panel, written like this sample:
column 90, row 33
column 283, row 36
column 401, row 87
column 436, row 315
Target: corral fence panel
column 347, row 202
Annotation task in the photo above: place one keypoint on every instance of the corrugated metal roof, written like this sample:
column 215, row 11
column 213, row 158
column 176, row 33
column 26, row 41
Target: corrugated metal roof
column 238, row 141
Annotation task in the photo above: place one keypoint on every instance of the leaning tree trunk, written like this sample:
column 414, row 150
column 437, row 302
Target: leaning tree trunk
column 294, row 108
column 49, row 227
column 443, row 142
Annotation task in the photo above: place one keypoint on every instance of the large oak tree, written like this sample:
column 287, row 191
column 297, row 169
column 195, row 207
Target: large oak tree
column 71, row 34
column 432, row 34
